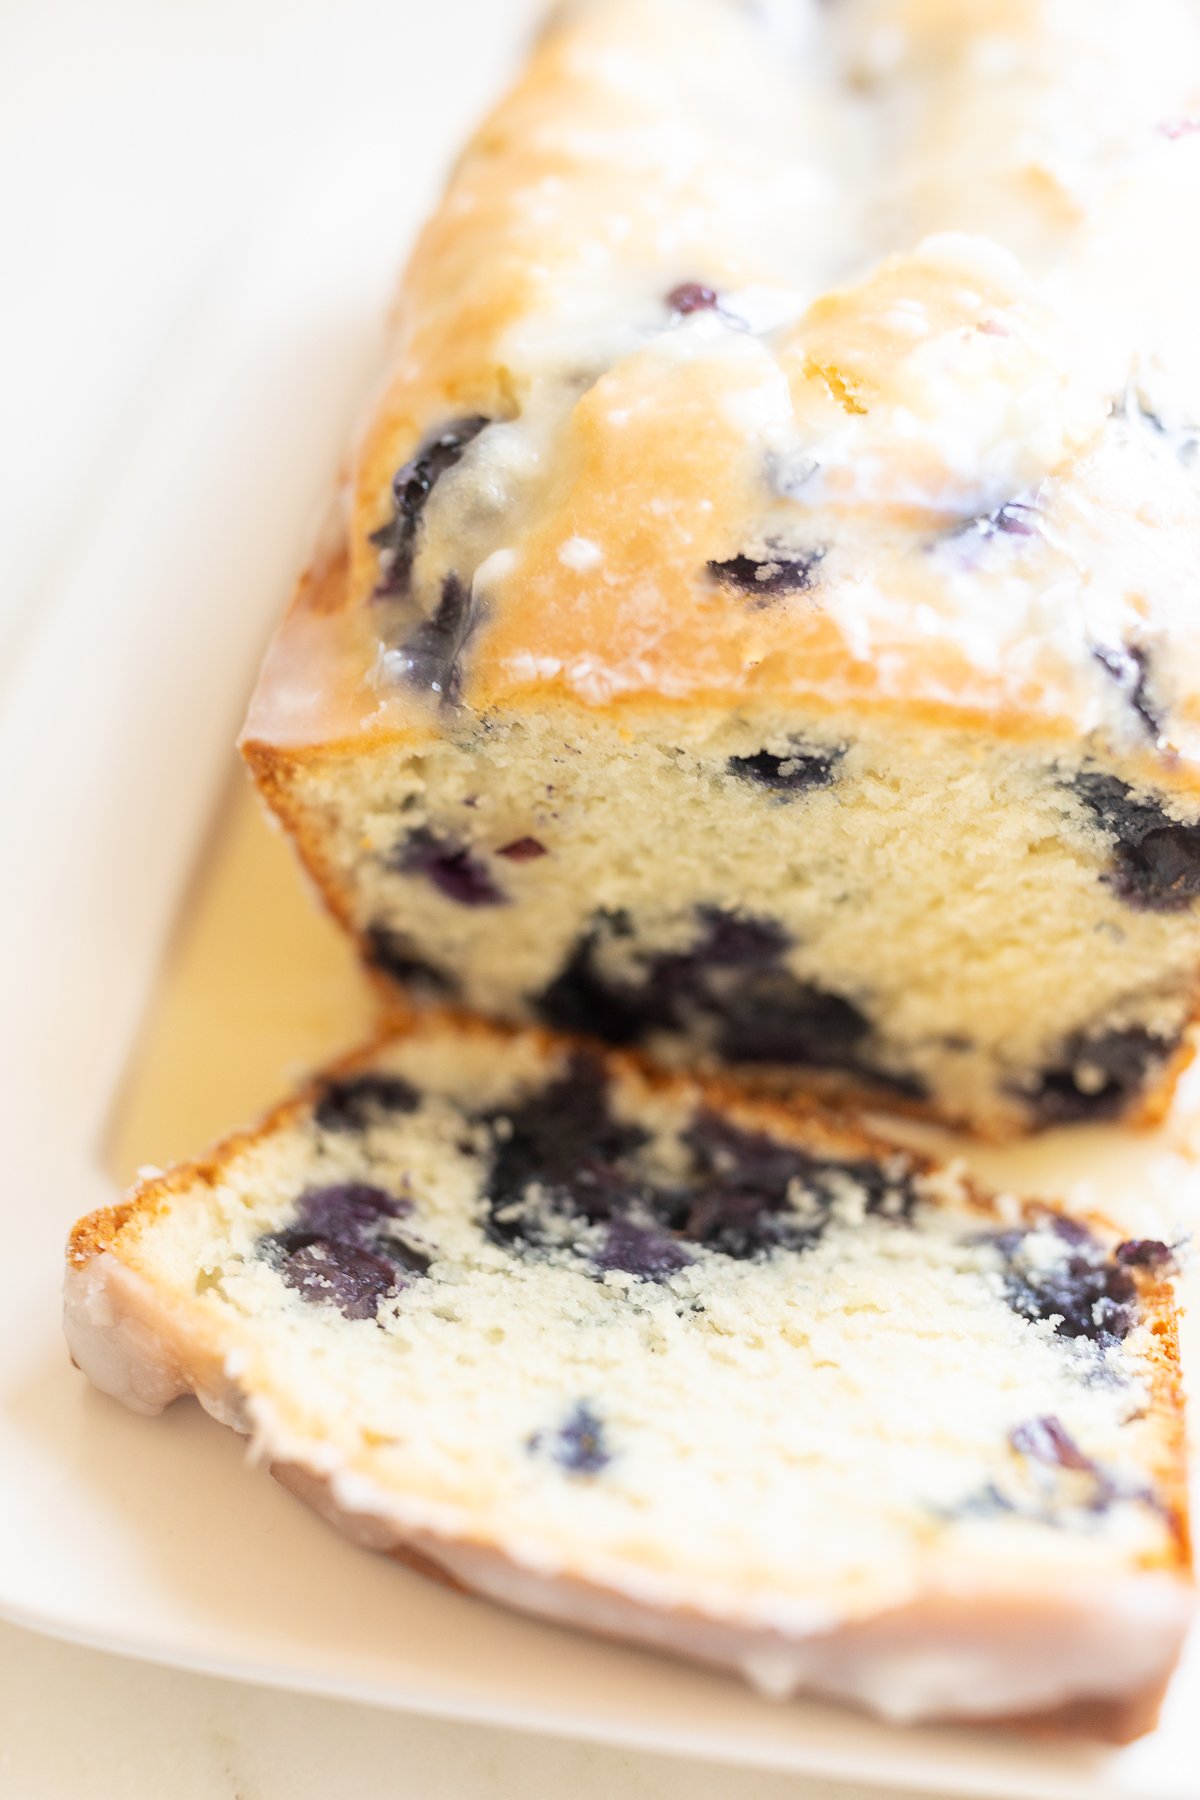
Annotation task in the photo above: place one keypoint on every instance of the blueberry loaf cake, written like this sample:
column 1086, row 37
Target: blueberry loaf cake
column 631, row 1352
column 758, row 620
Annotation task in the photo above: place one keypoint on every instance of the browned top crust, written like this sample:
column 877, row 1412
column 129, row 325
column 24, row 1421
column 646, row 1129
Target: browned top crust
column 855, row 371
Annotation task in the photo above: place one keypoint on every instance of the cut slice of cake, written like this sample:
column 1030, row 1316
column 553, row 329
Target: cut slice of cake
column 759, row 621
column 636, row 1353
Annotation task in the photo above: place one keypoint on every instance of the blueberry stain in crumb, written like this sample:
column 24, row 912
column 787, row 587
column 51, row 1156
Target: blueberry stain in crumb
column 393, row 953
column 1047, row 1440
column 452, row 869
column 342, row 1249
column 801, row 769
column 412, row 485
column 578, row 1444
column 766, row 577
column 1155, row 859
column 352, row 1102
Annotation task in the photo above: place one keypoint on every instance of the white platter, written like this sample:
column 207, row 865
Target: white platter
column 155, row 1537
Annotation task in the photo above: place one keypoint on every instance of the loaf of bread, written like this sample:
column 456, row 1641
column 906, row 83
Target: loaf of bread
column 758, row 621
column 634, row 1353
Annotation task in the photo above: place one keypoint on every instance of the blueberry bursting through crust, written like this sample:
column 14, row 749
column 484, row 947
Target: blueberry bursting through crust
column 429, row 655
column 412, row 485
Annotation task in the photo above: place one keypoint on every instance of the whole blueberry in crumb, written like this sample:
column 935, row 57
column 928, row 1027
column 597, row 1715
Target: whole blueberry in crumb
column 1155, row 859
column 738, row 940
column 455, row 873
column 393, row 953
column 776, row 1018
column 412, row 485
column 563, row 1142
column 796, row 772
column 1084, row 1294
column 341, row 1248
column 764, row 578
column 729, row 987
column 647, row 1251
column 348, row 1210
column 352, row 1102
column 1145, row 1253
column 692, row 296
column 754, row 1193
column 342, row 1275
column 578, row 1444
column 1101, row 1074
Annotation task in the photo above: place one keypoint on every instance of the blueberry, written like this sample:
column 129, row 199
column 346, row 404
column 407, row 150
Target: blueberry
column 1015, row 518
column 352, row 1102
column 1145, row 1253
column 578, row 1444
column 350, row 1211
column 412, row 485
column 1115, row 1065
column 563, row 1143
column 729, row 985
column 747, row 1185
column 767, row 577
column 1156, row 859
column 692, row 296
column 455, row 873
column 564, row 1169
column 1085, row 1293
column 341, row 1275
column 794, row 773
column 647, row 1251
column 339, row 1249
column 1128, row 666
column 776, row 1018
column 394, row 954
column 673, row 985
column 738, row 940
column 1047, row 1440
column 429, row 657
column 523, row 849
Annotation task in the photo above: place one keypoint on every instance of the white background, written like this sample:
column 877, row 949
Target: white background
column 143, row 145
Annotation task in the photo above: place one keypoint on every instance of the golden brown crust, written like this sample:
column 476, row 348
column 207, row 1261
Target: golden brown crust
column 545, row 194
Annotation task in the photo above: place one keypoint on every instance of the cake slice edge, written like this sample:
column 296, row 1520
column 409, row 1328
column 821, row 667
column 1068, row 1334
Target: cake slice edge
column 943, row 1656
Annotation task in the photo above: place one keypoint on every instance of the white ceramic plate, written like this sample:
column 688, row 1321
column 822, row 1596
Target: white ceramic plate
column 155, row 1537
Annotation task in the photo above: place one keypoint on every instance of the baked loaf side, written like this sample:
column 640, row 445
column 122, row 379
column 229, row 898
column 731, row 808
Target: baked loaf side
column 758, row 621
column 634, row 1353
